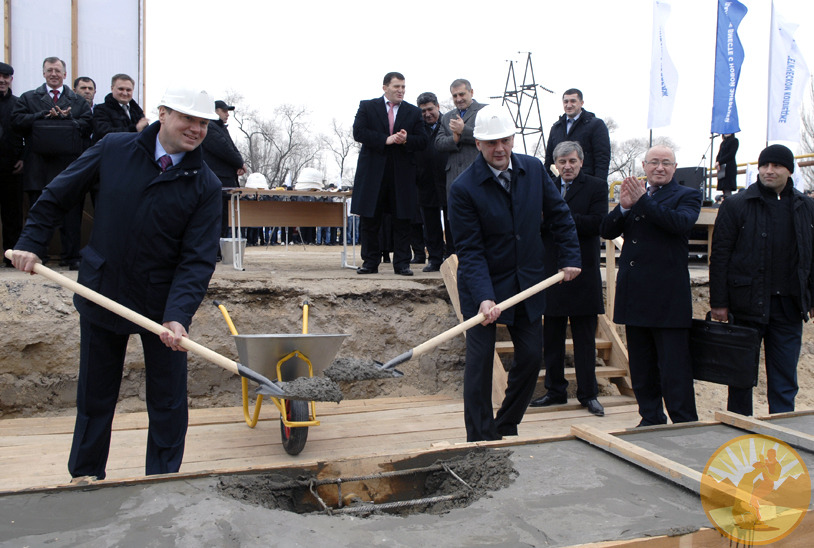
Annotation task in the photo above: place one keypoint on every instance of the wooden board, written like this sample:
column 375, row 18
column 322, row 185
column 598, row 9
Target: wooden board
column 788, row 435
column 271, row 213
column 34, row 452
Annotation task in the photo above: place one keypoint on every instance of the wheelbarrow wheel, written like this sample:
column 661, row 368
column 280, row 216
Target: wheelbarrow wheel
column 294, row 438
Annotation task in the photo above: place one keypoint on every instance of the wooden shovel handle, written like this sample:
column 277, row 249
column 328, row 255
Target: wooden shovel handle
column 475, row 320
column 127, row 314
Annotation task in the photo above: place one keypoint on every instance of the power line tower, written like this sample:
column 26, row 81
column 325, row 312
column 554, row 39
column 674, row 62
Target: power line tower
column 522, row 102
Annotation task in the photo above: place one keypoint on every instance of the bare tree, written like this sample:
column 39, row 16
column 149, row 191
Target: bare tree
column 278, row 147
column 341, row 144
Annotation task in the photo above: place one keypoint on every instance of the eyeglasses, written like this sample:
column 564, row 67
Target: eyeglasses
column 665, row 163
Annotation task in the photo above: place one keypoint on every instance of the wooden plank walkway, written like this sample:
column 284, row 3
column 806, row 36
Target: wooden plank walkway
column 34, row 451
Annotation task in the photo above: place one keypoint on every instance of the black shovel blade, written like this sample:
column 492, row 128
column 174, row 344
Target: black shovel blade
column 265, row 386
column 391, row 365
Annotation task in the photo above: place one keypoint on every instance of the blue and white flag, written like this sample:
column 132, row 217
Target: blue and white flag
column 728, row 61
column 663, row 74
column 788, row 80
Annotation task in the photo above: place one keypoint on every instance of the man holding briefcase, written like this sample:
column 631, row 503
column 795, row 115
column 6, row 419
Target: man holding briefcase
column 761, row 272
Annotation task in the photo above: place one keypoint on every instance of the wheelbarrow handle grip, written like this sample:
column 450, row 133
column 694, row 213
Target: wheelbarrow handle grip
column 126, row 313
column 475, row 320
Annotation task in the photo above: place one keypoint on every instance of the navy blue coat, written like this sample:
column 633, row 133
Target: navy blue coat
column 155, row 235
column 498, row 236
column 109, row 117
column 653, row 285
column 33, row 105
column 587, row 198
column 371, row 128
column 592, row 134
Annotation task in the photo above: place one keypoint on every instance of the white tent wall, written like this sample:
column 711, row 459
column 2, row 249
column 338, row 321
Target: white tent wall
column 95, row 38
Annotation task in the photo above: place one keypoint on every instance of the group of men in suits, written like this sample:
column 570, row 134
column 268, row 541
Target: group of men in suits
column 58, row 124
column 493, row 194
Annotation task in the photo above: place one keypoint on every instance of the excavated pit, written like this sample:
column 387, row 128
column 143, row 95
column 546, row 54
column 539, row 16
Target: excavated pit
column 434, row 489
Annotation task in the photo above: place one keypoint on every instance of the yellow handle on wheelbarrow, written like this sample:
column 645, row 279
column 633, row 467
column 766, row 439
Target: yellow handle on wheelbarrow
column 251, row 419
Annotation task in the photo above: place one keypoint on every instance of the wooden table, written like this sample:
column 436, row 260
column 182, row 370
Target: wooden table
column 282, row 212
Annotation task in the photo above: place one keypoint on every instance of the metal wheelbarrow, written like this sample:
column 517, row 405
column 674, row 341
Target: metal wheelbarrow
column 286, row 358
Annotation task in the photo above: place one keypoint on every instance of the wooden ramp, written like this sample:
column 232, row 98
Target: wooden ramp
column 609, row 346
column 34, row 451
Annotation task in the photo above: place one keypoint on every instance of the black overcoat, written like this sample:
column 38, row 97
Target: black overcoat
column 587, row 199
column 371, row 128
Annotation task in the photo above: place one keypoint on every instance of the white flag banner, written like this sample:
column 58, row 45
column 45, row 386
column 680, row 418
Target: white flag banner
column 751, row 174
column 788, row 81
column 663, row 74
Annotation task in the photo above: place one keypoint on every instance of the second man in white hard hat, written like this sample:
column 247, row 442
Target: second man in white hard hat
column 495, row 210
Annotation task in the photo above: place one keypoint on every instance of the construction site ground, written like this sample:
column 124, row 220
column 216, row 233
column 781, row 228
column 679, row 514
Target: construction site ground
column 379, row 421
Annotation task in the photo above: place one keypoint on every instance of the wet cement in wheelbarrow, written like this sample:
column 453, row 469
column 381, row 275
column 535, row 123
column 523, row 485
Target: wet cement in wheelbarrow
column 326, row 388
column 312, row 389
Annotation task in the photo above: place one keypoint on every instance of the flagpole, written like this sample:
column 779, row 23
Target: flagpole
column 769, row 79
column 712, row 164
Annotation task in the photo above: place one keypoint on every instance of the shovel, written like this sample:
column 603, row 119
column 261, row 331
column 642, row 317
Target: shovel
column 266, row 386
column 424, row 347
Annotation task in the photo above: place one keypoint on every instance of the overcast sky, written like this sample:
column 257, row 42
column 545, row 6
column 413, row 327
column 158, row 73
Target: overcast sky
column 327, row 55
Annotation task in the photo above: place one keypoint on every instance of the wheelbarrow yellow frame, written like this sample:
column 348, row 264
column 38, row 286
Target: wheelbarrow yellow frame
column 279, row 403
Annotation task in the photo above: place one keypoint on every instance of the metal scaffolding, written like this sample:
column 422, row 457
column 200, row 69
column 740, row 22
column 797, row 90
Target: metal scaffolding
column 524, row 106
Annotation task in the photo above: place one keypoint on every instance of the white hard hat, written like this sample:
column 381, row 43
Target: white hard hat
column 493, row 122
column 257, row 180
column 309, row 179
column 188, row 100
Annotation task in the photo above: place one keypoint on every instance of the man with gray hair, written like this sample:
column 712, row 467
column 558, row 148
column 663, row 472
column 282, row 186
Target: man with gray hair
column 55, row 122
column 581, row 300
column 653, row 298
column 456, row 139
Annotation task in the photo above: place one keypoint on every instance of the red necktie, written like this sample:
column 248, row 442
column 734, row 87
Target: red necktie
column 391, row 116
column 56, row 95
column 165, row 162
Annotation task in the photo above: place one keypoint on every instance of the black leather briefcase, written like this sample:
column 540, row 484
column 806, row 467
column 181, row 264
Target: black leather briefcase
column 53, row 137
column 724, row 353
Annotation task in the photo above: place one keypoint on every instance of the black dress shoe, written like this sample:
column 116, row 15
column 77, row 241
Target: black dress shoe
column 385, row 257
column 594, row 407
column 431, row 268
column 74, row 265
column 418, row 260
column 404, row 272
column 547, row 400
column 365, row 270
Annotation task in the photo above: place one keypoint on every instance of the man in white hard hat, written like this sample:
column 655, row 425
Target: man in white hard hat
column 152, row 249
column 495, row 209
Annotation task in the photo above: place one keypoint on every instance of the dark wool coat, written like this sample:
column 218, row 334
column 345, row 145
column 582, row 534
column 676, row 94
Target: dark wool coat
column 371, row 128
column 587, row 199
column 653, row 285
column 739, row 266
column 592, row 134
column 155, row 235
column 497, row 235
